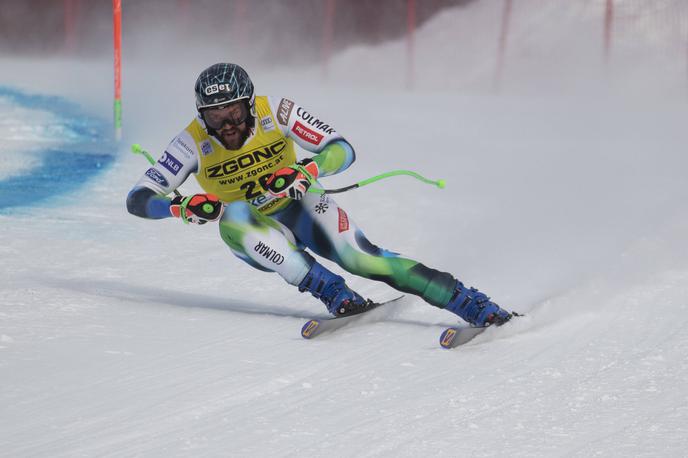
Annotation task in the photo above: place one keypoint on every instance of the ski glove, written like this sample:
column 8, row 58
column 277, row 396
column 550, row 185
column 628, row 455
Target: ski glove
column 197, row 209
column 293, row 181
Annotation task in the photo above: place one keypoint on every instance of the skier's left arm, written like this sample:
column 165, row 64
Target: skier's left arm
column 333, row 154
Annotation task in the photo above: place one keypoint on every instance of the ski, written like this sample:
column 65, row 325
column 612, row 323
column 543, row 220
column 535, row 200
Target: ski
column 455, row 336
column 459, row 335
column 319, row 326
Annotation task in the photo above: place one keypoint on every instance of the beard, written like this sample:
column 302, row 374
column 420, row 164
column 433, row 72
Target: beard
column 234, row 137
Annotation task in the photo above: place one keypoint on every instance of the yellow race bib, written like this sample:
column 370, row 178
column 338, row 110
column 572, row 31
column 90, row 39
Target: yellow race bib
column 241, row 174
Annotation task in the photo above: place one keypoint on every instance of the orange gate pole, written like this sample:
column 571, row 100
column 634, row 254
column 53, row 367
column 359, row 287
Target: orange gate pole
column 117, row 22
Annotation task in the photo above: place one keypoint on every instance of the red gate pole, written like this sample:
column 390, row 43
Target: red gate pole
column 328, row 33
column 503, row 41
column 71, row 10
column 608, row 29
column 117, row 22
column 410, row 43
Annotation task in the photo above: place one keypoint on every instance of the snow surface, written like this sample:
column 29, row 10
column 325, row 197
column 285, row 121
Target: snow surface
column 126, row 337
column 20, row 137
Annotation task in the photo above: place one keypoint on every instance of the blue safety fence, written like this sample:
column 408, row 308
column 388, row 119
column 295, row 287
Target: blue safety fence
column 80, row 148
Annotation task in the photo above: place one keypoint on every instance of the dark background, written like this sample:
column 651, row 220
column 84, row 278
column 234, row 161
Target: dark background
column 292, row 29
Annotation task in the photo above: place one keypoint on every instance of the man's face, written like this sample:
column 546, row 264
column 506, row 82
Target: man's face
column 229, row 121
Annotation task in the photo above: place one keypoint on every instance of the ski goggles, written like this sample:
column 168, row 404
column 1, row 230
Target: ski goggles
column 234, row 114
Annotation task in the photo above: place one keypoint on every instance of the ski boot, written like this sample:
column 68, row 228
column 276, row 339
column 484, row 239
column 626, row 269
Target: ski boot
column 476, row 308
column 331, row 289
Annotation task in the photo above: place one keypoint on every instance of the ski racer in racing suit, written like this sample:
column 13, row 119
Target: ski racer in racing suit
column 241, row 149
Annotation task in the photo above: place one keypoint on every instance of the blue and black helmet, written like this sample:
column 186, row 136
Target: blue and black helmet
column 222, row 83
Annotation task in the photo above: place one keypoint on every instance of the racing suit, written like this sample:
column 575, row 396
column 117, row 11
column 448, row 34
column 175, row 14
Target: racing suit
column 269, row 233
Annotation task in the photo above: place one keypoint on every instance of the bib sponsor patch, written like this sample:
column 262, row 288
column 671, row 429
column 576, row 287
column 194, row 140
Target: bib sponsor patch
column 313, row 121
column 306, row 134
column 269, row 253
column 267, row 124
column 343, row 221
column 183, row 147
column 284, row 111
column 170, row 163
column 157, row 177
column 206, row 147
column 248, row 164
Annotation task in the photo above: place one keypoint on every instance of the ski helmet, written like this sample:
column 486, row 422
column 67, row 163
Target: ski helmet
column 223, row 83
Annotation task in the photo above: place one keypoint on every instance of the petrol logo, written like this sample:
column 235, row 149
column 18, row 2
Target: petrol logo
column 306, row 134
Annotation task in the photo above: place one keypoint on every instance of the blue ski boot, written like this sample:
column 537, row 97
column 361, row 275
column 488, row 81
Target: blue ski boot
column 331, row 289
column 476, row 308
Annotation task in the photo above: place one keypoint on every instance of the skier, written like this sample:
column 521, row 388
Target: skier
column 241, row 149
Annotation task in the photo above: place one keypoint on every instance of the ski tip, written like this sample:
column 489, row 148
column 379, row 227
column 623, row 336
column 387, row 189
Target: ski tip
column 308, row 329
column 447, row 337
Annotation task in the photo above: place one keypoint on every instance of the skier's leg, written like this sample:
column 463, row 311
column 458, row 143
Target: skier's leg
column 267, row 245
column 263, row 242
column 327, row 229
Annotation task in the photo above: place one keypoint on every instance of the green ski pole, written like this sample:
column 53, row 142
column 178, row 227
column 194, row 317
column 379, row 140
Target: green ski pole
column 439, row 183
column 138, row 149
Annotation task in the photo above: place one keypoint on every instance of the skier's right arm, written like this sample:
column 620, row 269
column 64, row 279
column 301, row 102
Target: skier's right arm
column 148, row 198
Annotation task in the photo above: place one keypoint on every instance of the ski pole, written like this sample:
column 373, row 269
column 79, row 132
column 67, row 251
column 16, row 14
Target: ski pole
column 439, row 183
column 138, row 149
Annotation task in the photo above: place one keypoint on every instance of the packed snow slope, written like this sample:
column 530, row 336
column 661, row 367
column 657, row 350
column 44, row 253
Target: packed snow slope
column 126, row 337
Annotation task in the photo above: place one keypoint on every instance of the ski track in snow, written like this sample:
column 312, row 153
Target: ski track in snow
column 125, row 337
